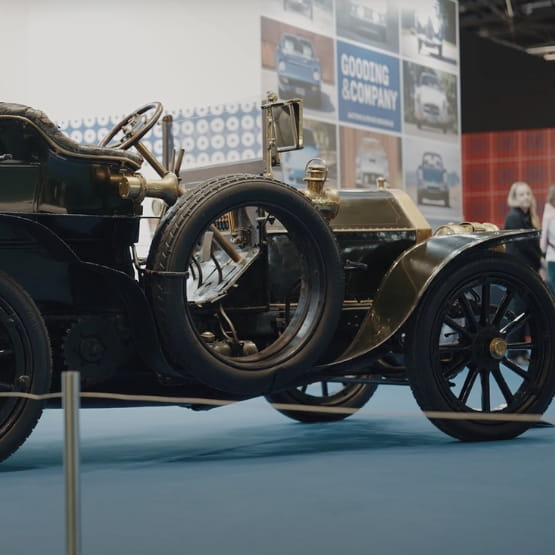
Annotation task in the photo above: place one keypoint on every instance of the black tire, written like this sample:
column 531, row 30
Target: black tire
column 459, row 346
column 348, row 396
column 26, row 364
column 306, row 330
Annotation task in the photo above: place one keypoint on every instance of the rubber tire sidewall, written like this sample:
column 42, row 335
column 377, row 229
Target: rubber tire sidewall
column 13, row 434
column 356, row 399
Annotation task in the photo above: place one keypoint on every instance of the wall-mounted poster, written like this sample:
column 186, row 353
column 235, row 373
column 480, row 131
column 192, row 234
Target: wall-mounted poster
column 297, row 63
column 367, row 156
column 313, row 15
column 430, row 102
column 370, row 22
column 369, row 87
column 388, row 91
column 432, row 178
column 429, row 32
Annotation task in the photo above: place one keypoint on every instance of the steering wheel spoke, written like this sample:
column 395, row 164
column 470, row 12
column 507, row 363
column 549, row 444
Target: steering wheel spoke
column 133, row 127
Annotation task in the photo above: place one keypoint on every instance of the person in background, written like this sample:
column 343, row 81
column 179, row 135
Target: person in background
column 523, row 215
column 547, row 239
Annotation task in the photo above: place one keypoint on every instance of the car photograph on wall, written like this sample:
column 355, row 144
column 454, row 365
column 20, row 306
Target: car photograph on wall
column 371, row 163
column 369, row 17
column 432, row 182
column 429, row 27
column 298, row 69
column 303, row 6
column 431, row 107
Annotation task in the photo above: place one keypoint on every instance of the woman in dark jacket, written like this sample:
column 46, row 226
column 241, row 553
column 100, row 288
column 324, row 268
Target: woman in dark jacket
column 523, row 215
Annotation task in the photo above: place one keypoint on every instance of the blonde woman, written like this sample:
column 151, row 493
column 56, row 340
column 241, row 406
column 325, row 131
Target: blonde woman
column 547, row 240
column 523, row 215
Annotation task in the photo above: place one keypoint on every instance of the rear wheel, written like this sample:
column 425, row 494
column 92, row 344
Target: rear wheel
column 247, row 284
column 465, row 347
column 322, row 401
column 25, row 364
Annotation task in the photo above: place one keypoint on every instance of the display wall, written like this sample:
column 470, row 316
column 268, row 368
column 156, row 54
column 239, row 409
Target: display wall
column 82, row 58
column 380, row 82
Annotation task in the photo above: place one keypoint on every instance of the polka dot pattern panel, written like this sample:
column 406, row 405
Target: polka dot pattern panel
column 209, row 134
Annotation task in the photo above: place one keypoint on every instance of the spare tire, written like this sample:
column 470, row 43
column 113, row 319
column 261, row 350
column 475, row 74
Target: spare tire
column 258, row 318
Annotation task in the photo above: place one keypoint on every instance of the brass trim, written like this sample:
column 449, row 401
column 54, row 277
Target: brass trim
column 498, row 348
column 421, row 224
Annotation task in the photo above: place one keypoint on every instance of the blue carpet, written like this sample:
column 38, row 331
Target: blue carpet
column 244, row 479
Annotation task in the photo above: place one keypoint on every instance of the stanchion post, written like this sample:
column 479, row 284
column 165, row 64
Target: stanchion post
column 70, row 404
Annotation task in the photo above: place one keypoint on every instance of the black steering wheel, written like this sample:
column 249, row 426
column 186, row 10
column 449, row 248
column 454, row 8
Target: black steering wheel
column 134, row 126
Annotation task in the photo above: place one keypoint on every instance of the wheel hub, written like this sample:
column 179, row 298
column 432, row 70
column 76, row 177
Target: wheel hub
column 488, row 347
column 498, row 348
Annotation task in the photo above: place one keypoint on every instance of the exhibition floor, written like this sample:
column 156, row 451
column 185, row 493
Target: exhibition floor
column 245, row 480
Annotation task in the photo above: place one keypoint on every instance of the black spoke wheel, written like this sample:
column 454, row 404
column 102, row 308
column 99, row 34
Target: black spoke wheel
column 25, row 364
column 481, row 343
column 342, row 400
column 255, row 317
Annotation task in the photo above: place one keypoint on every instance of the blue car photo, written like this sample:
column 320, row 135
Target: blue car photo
column 298, row 69
column 432, row 179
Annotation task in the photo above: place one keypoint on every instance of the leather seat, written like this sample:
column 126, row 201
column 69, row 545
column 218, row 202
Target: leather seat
column 61, row 141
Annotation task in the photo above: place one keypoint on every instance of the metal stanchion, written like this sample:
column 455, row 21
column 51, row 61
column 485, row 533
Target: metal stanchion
column 70, row 404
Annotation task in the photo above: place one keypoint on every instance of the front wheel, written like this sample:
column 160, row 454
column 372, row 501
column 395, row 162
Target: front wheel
column 322, row 401
column 480, row 343
column 25, row 364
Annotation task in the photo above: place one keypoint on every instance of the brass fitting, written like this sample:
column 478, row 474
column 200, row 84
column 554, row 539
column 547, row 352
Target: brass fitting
column 136, row 187
column 325, row 199
column 465, row 227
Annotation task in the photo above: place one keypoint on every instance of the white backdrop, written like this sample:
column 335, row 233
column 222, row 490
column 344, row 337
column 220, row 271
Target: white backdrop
column 79, row 58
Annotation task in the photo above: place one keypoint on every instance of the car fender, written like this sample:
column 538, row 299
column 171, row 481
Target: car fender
column 404, row 285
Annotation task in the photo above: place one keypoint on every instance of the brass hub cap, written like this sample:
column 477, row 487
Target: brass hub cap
column 497, row 348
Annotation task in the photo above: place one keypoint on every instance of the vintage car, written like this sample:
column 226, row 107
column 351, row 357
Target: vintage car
column 298, row 69
column 432, row 180
column 371, row 163
column 369, row 17
column 431, row 107
column 429, row 27
column 304, row 6
column 253, row 288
